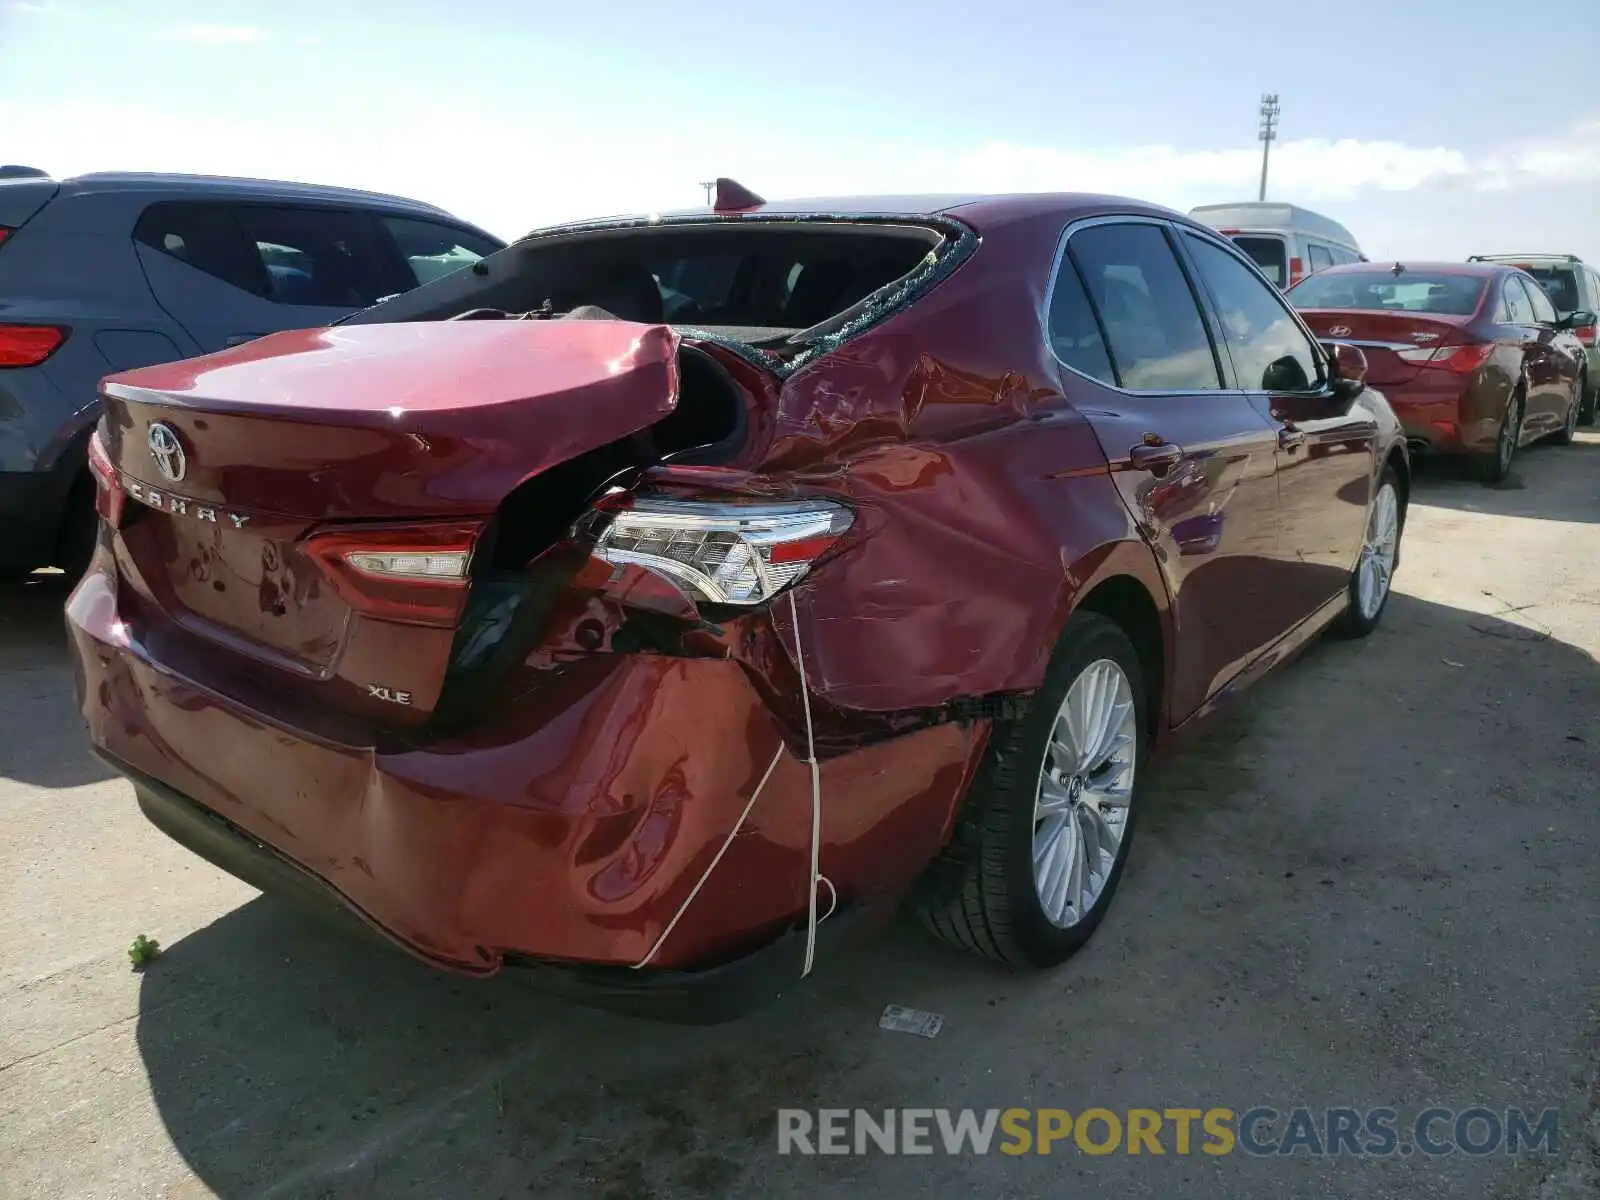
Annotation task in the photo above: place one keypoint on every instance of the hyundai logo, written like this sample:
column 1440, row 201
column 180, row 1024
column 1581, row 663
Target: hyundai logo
column 167, row 451
column 1339, row 331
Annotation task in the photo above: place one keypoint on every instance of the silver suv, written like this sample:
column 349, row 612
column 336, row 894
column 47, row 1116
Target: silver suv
column 105, row 273
column 1573, row 287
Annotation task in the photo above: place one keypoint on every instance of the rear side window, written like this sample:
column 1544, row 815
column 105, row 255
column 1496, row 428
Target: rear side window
column 1515, row 307
column 1270, row 351
column 207, row 238
column 318, row 257
column 1157, row 339
column 1075, row 334
column 431, row 249
column 1318, row 256
column 1267, row 253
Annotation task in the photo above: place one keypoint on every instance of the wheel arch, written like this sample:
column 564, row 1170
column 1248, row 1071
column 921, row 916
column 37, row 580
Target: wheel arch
column 1128, row 590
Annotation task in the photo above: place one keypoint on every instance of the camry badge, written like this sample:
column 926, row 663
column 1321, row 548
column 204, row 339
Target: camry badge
column 167, row 451
column 1339, row 331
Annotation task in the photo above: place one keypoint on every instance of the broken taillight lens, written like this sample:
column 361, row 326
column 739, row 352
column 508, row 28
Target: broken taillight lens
column 721, row 553
column 409, row 574
column 109, row 496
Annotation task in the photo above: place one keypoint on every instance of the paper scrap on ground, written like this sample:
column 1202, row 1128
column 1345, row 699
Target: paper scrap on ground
column 910, row 1020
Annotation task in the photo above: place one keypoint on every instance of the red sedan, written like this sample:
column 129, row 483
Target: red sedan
column 658, row 599
column 1472, row 356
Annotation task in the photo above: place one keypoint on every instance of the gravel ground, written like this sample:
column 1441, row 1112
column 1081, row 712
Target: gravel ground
column 1373, row 884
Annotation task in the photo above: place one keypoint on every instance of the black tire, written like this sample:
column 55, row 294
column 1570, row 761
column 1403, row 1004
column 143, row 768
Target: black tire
column 80, row 528
column 1569, row 429
column 1354, row 623
column 1494, row 466
column 980, row 894
column 1589, row 395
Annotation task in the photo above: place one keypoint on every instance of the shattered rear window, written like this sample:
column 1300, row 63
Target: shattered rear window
column 778, row 290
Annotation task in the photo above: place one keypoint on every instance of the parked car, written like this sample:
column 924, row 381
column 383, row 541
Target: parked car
column 1473, row 357
column 1573, row 286
column 103, row 273
column 544, row 634
column 1287, row 242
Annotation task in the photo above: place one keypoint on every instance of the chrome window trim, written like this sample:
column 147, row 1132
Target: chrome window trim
column 1166, row 226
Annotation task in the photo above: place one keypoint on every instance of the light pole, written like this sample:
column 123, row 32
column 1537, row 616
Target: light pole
column 708, row 187
column 1269, row 131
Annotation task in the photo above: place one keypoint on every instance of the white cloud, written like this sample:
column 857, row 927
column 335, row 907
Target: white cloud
column 215, row 35
column 511, row 177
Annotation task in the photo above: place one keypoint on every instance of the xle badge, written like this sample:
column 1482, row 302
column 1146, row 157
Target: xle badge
column 389, row 694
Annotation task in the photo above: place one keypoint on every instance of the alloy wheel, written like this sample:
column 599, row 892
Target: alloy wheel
column 1378, row 551
column 1085, row 787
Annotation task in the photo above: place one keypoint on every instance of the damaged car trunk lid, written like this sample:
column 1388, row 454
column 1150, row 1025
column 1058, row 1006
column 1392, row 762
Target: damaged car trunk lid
column 311, row 503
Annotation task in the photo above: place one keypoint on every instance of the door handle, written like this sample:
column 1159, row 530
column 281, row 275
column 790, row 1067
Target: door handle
column 1155, row 456
column 1290, row 438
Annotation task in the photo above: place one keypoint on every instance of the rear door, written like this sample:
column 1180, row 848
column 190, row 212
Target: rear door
column 1544, row 407
column 1327, row 450
column 1557, row 356
column 1193, row 458
column 232, row 272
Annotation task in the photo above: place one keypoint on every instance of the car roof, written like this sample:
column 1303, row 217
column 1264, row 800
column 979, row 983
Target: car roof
column 221, row 186
column 1479, row 270
column 981, row 210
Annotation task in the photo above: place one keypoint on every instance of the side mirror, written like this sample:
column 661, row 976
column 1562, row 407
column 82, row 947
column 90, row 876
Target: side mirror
column 1576, row 320
column 1349, row 367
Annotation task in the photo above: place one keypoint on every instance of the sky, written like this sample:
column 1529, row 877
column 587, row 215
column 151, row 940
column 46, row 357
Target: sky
column 1413, row 125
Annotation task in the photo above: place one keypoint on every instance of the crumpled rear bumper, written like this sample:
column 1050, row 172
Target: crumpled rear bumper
column 700, row 997
column 570, row 829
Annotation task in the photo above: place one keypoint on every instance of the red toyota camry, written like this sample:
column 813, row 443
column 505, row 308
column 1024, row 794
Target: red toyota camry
column 658, row 599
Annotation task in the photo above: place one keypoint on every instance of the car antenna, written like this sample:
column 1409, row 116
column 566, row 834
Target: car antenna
column 733, row 196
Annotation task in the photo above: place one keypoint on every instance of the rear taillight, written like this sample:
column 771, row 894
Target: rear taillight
column 5, row 232
column 109, row 497
column 721, row 553
column 1585, row 334
column 29, row 345
column 410, row 574
column 1460, row 359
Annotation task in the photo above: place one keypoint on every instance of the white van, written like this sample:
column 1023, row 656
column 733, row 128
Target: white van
column 1286, row 242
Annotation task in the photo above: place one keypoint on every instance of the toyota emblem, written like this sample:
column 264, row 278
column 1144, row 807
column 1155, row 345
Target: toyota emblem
column 167, row 451
column 1339, row 331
